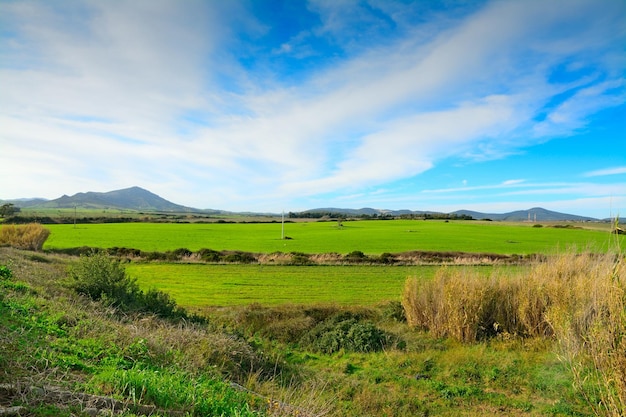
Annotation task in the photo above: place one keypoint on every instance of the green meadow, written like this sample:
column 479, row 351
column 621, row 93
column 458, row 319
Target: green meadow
column 370, row 237
column 336, row 340
column 201, row 285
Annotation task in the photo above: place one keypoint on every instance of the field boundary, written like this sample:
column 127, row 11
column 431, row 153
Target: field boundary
column 208, row 256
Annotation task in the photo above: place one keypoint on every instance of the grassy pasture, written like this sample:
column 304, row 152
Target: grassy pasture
column 370, row 237
column 198, row 285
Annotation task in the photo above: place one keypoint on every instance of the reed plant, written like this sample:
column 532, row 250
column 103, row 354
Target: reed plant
column 30, row 236
column 579, row 299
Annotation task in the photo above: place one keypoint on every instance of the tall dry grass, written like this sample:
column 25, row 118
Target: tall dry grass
column 30, row 236
column 578, row 299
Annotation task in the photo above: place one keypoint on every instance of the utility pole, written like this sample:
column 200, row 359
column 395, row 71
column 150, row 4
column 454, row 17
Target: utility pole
column 282, row 233
column 74, row 216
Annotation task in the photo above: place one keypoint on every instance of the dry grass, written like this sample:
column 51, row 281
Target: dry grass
column 30, row 236
column 579, row 299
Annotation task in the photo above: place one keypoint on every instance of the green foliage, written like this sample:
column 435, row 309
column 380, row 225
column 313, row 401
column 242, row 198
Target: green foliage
column 200, row 396
column 100, row 277
column 346, row 332
column 161, row 304
column 8, row 209
column 393, row 310
column 299, row 258
column 103, row 278
column 5, row 272
column 239, row 257
column 356, row 257
column 209, row 255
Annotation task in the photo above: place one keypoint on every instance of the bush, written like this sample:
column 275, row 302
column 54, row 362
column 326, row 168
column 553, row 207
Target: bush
column 386, row 258
column 29, row 236
column 154, row 256
column 98, row 276
column 356, row 257
column 345, row 332
column 239, row 257
column 178, row 254
column 102, row 278
column 159, row 303
column 299, row 258
column 210, row 255
column 393, row 310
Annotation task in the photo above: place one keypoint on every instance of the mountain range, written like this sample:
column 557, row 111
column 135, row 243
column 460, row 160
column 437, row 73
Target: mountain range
column 133, row 198
column 139, row 199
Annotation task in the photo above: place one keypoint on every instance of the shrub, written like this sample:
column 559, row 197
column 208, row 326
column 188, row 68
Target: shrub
column 393, row 310
column 356, row 256
column 5, row 272
column 102, row 278
column 29, row 236
column 128, row 252
column 299, row 258
column 210, row 255
column 98, row 276
column 386, row 258
column 178, row 254
column 345, row 332
column 239, row 257
column 154, row 256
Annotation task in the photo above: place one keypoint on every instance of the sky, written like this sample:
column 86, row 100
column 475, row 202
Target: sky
column 272, row 105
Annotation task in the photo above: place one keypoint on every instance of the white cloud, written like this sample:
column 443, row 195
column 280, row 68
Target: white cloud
column 150, row 92
column 512, row 182
column 605, row 172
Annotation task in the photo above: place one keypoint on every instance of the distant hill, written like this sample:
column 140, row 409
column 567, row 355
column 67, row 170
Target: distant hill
column 536, row 213
column 533, row 214
column 134, row 198
column 139, row 199
column 24, row 202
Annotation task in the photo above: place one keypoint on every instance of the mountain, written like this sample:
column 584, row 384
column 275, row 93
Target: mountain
column 134, row 198
column 139, row 199
column 535, row 213
column 24, row 202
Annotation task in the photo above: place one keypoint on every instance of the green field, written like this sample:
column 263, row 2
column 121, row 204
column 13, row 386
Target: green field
column 201, row 285
column 370, row 237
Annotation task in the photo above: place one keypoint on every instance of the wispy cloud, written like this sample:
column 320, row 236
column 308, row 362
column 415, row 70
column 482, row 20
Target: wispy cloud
column 605, row 172
column 175, row 97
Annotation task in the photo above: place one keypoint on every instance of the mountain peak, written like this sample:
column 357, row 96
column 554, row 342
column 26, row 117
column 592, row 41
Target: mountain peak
column 132, row 198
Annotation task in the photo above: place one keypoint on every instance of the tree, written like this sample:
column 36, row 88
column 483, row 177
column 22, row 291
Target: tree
column 8, row 209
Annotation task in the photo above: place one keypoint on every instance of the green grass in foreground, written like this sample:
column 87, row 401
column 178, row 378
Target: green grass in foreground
column 200, row 285
column 52, row 336
column 370, row 237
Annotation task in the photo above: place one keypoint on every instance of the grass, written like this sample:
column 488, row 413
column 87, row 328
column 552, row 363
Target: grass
column 577, row 299
column 50, row 335
column 370, row 237
column 200, row 285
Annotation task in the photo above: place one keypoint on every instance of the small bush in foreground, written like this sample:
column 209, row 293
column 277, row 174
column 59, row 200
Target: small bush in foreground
column 102, row 278
column 29, row 236
column 345, row 332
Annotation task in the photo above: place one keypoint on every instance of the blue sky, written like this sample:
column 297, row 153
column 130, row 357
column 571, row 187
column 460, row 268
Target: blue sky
column 270, row 105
